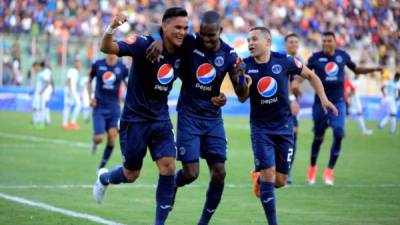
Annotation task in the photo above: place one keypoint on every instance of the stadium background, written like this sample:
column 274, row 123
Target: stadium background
column 57, row 31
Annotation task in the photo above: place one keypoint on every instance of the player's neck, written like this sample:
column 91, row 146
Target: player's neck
column 330, row 53
column 169, row 47
column 263, row 58
column 111, row 63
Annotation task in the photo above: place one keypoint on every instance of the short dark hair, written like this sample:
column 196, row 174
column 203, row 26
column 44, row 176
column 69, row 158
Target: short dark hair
column 211, row 17
column 262, row 29
column 291, row 35
column 174, row 12
column 329, row 33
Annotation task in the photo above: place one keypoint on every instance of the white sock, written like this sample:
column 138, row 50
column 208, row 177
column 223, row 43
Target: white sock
column 393, row 123
column 66, row 111
column 384, row 121
column 48, row 117
column 75, row 113
column 361, row 122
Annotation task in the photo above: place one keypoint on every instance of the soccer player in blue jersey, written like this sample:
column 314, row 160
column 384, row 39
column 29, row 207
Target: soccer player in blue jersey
column 206, row 60
column 270, row 116
column 329, row 65
column 145, row 121
column 109, row 73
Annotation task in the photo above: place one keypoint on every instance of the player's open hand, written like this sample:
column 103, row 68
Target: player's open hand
column 153, row 52
column 327, row 105
column 219, row 100
column 118, row 20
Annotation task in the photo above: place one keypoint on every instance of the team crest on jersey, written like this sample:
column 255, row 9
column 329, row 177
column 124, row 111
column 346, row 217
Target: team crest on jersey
column 219, row 61
column 130, row 40
column 108, row 80
column 331, row 69
column 276, row 69
column 267, row 86
column 339, row 59
column 205, row 73
column 117, row 70
column 165, row 74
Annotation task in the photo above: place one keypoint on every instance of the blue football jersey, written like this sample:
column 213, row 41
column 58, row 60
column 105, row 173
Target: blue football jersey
column 108, row 81
column 202, row 73
column 149, row 83
column 269, row 100
column 330, row 69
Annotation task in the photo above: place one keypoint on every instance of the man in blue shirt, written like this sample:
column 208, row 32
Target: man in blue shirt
column 270, row 115
column 206, row 60
column 329, row 65
column 109, row 73
column 145, row 121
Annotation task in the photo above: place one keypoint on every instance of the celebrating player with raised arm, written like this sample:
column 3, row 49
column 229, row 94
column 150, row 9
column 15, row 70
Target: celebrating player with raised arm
column 145, row 121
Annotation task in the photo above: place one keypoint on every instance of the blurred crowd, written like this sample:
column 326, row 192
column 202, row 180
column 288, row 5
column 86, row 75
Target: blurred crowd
column 370, row 25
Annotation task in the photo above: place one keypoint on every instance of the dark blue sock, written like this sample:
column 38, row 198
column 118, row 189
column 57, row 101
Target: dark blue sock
column 164, row 193
column 335, row 151
column 180, row 180
column 316, row 146
column 213, row 198
column 106, row 155
column 115, row 176
column 267, row 198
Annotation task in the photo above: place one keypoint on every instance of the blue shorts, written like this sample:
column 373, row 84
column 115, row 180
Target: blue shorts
column 136, row 137
column 272, row 150
column 200, row 138
column 105, row 119
column 295, row 121
column 322, row 121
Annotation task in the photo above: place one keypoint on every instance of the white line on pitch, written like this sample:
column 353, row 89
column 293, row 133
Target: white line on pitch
column 51, row 208
column 231, row 186
column 45, row 140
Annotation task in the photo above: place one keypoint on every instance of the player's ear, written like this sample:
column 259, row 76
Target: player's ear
column 221, row 29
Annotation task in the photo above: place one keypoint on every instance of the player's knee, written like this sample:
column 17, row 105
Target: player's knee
column 98, row 139
column 218, row 175
column 338, row 133
column 167, row 167
column 319, row 137
column 268, row 175
column 130, row 175
column 191, row 174
column 280, row 181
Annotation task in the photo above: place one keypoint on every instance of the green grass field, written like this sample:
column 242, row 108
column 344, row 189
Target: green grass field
column 34, row 163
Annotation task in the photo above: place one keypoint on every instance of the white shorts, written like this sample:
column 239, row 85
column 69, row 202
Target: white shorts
column 357, row 104
column 390, row 103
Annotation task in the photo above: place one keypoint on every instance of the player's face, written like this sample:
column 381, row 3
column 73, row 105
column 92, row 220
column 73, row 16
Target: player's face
column 36, row 68
column 209, row 34
column 77, row 64
column 292, row 45
column 175, row 30
column 328, row 44
column 259, row 43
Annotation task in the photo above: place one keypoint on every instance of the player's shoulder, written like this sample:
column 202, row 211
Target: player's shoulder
column 279, row 55
column 248, row 60
column 136, row 39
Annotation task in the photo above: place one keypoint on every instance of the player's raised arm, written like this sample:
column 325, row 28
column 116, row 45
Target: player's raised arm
column 92, row 74
column 319, row 89
column 108, row 46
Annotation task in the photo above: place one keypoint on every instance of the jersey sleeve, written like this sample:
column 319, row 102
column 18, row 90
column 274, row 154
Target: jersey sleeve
column 233, row 57
column 294, row 65
column 311, row 62
column 134, row 46
column 349, row 62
